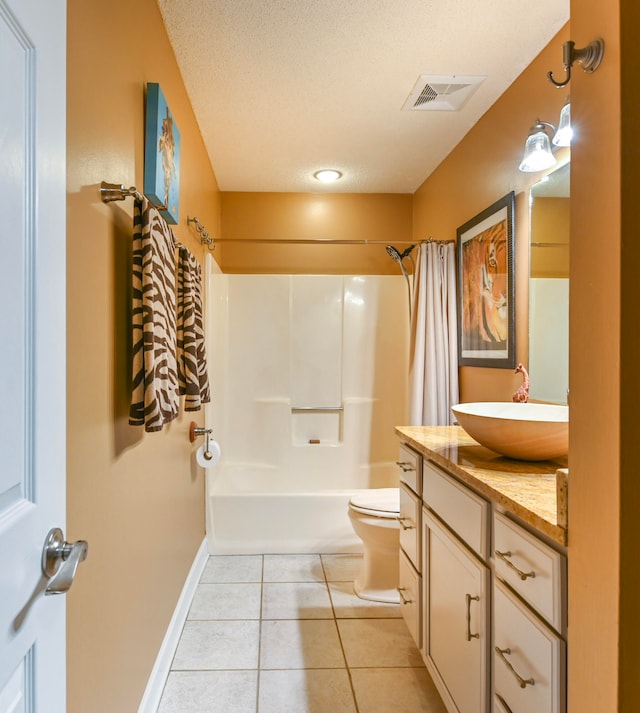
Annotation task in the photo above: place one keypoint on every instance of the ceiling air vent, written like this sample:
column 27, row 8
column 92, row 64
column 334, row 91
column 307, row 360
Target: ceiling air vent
column 441, row 92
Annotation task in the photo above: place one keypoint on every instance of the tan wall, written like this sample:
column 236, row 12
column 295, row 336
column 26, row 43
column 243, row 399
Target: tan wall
column 479, row 171
column 137, row 498
column 313, row 216
column 550, row 225
column 596, row 447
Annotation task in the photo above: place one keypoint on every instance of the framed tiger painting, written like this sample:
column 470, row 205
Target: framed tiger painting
column 486, row 287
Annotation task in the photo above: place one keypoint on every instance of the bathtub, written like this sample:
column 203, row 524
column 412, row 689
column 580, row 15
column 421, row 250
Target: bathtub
column 248, row 513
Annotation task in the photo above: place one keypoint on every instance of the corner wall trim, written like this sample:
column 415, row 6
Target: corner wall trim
column 155, row 685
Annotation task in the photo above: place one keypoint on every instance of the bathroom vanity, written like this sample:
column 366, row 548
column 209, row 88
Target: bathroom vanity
column 483, row 571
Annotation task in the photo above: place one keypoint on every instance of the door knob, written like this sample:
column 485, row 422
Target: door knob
column 60, row 561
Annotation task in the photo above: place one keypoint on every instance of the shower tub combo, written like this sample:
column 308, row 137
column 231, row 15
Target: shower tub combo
column 312, row 374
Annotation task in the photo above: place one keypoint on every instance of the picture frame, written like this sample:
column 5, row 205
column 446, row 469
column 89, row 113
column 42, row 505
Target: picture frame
column 161, row 155
column 486, row 287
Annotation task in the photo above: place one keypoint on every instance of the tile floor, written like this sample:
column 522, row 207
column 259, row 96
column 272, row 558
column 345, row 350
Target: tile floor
column 286, row 634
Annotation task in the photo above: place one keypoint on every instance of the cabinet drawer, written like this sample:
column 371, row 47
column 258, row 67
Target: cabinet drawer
column 532, row 569
column 528, row 658
column 410, row 464
column 409, row 519
column 463, row 511
column 410, row 589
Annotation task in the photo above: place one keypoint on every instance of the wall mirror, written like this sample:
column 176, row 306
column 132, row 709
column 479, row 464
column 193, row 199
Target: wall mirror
column 549, row 287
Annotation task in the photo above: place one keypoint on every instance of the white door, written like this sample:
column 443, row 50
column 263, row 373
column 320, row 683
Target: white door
column 32, row 355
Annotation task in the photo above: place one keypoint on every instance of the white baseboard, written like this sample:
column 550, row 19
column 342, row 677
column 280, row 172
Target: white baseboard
column 155, row 684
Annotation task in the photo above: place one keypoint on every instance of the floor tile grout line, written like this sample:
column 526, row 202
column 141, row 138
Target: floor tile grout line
column 344, row 653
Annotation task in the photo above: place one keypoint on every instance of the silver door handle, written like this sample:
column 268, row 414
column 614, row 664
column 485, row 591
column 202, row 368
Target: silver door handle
column 60, row 561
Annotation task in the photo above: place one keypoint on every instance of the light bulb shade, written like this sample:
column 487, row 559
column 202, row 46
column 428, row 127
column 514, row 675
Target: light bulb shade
column 537, row 151
column 564, row 134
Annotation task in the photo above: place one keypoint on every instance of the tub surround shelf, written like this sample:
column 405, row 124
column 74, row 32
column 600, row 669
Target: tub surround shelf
column 533, row 491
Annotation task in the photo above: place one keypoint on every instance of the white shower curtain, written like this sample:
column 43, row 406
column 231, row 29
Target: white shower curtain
column 433, row 355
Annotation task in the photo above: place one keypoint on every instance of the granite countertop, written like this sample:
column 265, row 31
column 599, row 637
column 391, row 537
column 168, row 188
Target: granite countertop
column 536, row 492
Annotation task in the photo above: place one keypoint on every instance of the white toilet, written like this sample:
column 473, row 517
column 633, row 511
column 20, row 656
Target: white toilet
column 374, row 516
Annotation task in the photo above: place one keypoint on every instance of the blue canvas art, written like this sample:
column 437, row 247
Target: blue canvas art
column 161, row 155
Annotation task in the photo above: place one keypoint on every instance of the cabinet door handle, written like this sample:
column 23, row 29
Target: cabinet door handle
column 406, row 466
column 503, row 653
column 470, row 599
column 401, row 591
column 402, row 520
column 504, row 703
column 504, row 556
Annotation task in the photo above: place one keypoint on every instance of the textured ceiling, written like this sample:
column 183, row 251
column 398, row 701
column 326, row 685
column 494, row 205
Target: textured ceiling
column 283, row 88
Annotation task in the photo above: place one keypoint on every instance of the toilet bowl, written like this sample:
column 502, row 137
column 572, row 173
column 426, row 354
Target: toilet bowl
column 374, row 517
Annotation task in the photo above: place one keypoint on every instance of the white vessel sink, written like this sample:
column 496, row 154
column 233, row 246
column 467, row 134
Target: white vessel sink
column 522, row 431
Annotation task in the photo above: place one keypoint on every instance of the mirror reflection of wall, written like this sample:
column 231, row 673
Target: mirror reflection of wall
column 549, row 288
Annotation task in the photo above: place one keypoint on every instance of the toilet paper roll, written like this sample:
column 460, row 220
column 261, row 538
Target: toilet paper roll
column 208, row 458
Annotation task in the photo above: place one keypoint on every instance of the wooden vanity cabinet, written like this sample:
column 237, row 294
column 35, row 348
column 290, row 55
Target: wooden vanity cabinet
column 483, row 596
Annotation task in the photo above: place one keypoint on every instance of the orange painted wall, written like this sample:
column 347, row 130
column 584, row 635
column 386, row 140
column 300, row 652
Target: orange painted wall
column 313, row 216
column 137, row 498
column 479, row 171
column 597, row 443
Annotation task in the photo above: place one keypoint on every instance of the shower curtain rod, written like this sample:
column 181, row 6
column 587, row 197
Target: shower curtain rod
column 308, row 241
column 117, row 192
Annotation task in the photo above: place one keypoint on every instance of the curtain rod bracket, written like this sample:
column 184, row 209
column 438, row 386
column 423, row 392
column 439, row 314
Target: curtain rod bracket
column 205, row 238
column 110, row 192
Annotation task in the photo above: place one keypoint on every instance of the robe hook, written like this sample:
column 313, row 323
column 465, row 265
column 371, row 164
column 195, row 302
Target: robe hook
column 588, row 57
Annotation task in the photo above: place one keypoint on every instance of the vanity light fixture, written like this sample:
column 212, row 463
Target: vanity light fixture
column 588, row 58
column 537, row 151
column 327, row 175
column 564, row 134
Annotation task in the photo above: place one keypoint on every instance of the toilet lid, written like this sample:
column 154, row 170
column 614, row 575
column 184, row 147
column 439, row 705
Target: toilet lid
column 381, row 502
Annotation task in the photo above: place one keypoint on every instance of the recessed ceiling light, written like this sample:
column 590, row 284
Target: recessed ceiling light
column 327, row 175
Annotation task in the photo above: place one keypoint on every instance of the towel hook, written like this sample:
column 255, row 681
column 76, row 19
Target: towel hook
column 588, row 57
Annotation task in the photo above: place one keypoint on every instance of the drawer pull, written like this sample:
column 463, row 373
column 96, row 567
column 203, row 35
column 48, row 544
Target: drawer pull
column 523, row 683
column 504, row 556
column 504, row 703
column 401, row 591
column 469, row 599
column 401, row 520
column 405, row 465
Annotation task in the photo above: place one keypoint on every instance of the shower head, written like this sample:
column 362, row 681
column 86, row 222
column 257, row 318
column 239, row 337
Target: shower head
column 399, row 257
column 394, row 253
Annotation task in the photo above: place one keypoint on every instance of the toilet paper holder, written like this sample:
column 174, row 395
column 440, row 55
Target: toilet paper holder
column 195, row 431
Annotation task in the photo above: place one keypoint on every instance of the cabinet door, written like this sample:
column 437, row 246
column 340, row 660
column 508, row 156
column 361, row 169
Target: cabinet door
column 456, row 619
